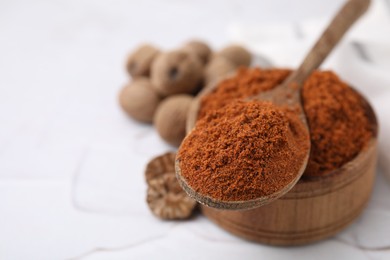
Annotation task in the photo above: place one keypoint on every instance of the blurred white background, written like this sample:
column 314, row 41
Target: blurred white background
column 71, row 164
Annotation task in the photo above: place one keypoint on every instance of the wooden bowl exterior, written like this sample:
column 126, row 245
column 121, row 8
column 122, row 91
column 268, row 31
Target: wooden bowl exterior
column 313, row 210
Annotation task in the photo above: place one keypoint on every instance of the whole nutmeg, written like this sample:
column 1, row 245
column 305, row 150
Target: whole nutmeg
column 236, row 54
column 170, row 118
column 176, row 72
column 139, row 100
column 200, row 48
column 217, row 68
column 139, row 62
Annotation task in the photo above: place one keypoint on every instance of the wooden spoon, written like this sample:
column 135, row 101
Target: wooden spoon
column 288, row 94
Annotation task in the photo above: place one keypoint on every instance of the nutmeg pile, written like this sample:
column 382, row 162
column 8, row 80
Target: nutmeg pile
column 163, row 83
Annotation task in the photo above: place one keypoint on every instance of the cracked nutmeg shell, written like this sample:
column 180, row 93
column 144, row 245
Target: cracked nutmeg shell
column 165, row 198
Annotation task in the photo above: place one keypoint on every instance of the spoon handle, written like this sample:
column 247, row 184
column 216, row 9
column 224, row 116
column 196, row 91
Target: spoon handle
column 343, row 20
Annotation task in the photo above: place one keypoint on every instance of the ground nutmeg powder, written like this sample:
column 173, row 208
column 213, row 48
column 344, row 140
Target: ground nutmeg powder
column 337, row 115
column 243, row 151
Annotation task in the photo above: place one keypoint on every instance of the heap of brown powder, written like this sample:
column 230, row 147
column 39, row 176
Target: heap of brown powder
column 246, row 83
column 337, row 115
column 339, row 124
column 243, row 151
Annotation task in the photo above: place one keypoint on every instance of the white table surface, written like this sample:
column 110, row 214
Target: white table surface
column 71, row 163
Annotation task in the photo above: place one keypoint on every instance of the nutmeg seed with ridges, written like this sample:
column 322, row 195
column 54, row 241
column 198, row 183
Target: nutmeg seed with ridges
column 139, row 100
column 217, row 68
column 176, row 72
column 200, row 48
column 170, row 118
column 140, row 60
column 237, row 54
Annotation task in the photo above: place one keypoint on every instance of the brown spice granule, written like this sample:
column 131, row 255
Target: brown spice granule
column 338, row 121
column 243, row 151
column 337, row 115
column 247, row 82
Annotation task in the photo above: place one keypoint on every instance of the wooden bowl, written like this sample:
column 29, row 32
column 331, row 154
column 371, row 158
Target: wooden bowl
column 313, row 209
